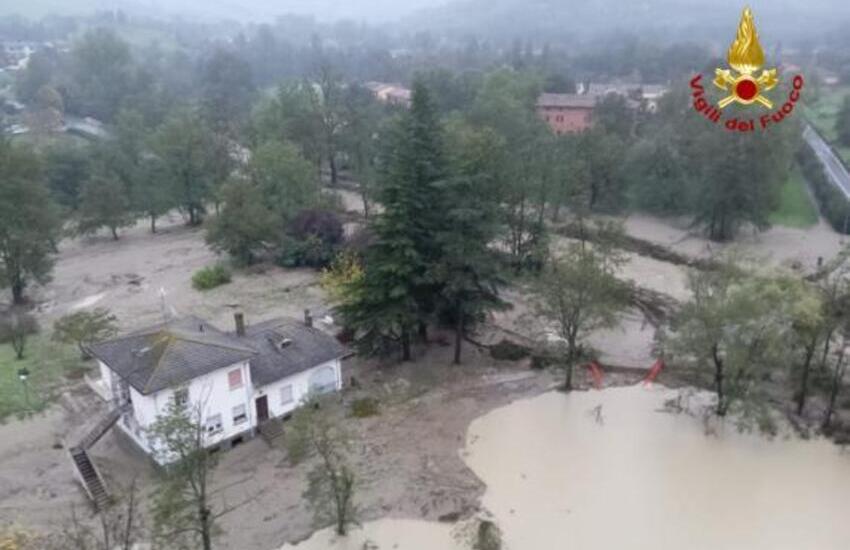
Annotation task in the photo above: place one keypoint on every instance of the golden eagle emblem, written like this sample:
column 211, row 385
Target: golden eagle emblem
column 746, row 57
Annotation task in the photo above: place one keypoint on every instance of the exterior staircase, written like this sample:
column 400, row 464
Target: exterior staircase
column 271, row 430
column 103, row 425
column 84, row 468
column 89, row 477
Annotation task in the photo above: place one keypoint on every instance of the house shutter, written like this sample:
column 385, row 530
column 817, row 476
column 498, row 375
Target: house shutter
column 234, row 378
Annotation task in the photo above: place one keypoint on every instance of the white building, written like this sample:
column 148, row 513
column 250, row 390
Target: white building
column 391, row 94
column 646, row 96
column 238, row 380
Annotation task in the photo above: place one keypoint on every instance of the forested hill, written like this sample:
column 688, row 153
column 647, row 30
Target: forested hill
column 370, row 11
column 672, row 20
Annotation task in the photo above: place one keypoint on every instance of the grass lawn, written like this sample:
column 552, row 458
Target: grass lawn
column 822, row 114
column 796, row 208
column 50, row 364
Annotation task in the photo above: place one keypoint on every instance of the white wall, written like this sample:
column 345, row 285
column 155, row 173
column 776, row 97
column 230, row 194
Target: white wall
column 300, row 389
column 107, row 378
column 213, row 391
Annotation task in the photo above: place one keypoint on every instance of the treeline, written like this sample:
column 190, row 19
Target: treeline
column 833, row 204
column 757, row 338
column 170, row 58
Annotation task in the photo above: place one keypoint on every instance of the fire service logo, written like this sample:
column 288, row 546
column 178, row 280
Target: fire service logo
column 742, row 84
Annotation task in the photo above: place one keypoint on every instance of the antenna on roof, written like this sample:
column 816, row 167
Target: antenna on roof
column 168, row 312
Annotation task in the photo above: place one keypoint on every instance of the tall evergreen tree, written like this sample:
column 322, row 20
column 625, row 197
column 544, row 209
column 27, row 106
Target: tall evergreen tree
column 468, row 270
column 398, row 293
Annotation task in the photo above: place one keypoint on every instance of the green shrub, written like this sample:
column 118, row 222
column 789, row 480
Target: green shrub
column 542, row 361
column 211, row 277
column 488, row 537
column 509, row 351
column 364, row 407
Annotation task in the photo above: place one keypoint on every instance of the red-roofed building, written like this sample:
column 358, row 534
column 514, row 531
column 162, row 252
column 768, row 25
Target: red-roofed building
column 566, row 113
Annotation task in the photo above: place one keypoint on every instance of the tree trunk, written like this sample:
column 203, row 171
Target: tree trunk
column 206, row 538
column 114, row 233
column 827, row 344
column 365, row 205
column 833, row 392
column 334, row 172
column 19, row 343
column 458, row 333
column 718, row 382
column 153, row 224
column 405, row 345
column 571, row 359
column 18, row 293
column 423, row 331
column 340, row 508
column 804, row 381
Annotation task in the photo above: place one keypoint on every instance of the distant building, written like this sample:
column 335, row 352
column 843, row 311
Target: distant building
column 15, row 55
column 573, row 113
column 566, row 113
column 638, row 96
column 391, row 94
column 88, row 128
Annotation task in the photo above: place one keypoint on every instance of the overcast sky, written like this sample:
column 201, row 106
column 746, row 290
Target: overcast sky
column 508, row 13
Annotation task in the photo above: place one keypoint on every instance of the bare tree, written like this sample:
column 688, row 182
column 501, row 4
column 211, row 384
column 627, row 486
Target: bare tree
column 119, row 527
column 317, row 433
column 185, row 509
column 326, row 105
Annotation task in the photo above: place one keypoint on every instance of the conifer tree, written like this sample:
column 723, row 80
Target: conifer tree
column 398, row 294
column 468, row 270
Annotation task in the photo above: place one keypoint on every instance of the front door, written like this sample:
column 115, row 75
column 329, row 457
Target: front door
column 262, row 409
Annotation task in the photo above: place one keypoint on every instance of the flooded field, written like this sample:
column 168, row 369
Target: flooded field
column 396, row 534
column 609, row 469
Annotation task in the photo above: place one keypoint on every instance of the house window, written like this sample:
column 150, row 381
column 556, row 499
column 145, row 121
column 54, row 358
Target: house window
column 286, row 395
column 234, row 378
column 239, row 415
column 213, row 424
column 181, row 397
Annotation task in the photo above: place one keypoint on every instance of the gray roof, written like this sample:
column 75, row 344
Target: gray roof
column 176, row 352
column 566, row 100
column 286, row 347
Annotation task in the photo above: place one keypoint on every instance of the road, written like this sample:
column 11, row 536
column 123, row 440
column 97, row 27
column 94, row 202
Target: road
column 833, row 167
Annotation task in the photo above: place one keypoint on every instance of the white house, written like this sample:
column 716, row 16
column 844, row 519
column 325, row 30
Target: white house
column 238, row 380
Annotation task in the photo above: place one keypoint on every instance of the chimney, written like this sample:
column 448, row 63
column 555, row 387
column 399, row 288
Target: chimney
column 239, row 318
column 308, row 318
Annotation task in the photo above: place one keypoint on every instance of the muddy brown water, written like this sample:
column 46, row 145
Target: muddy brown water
column 609, row 469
